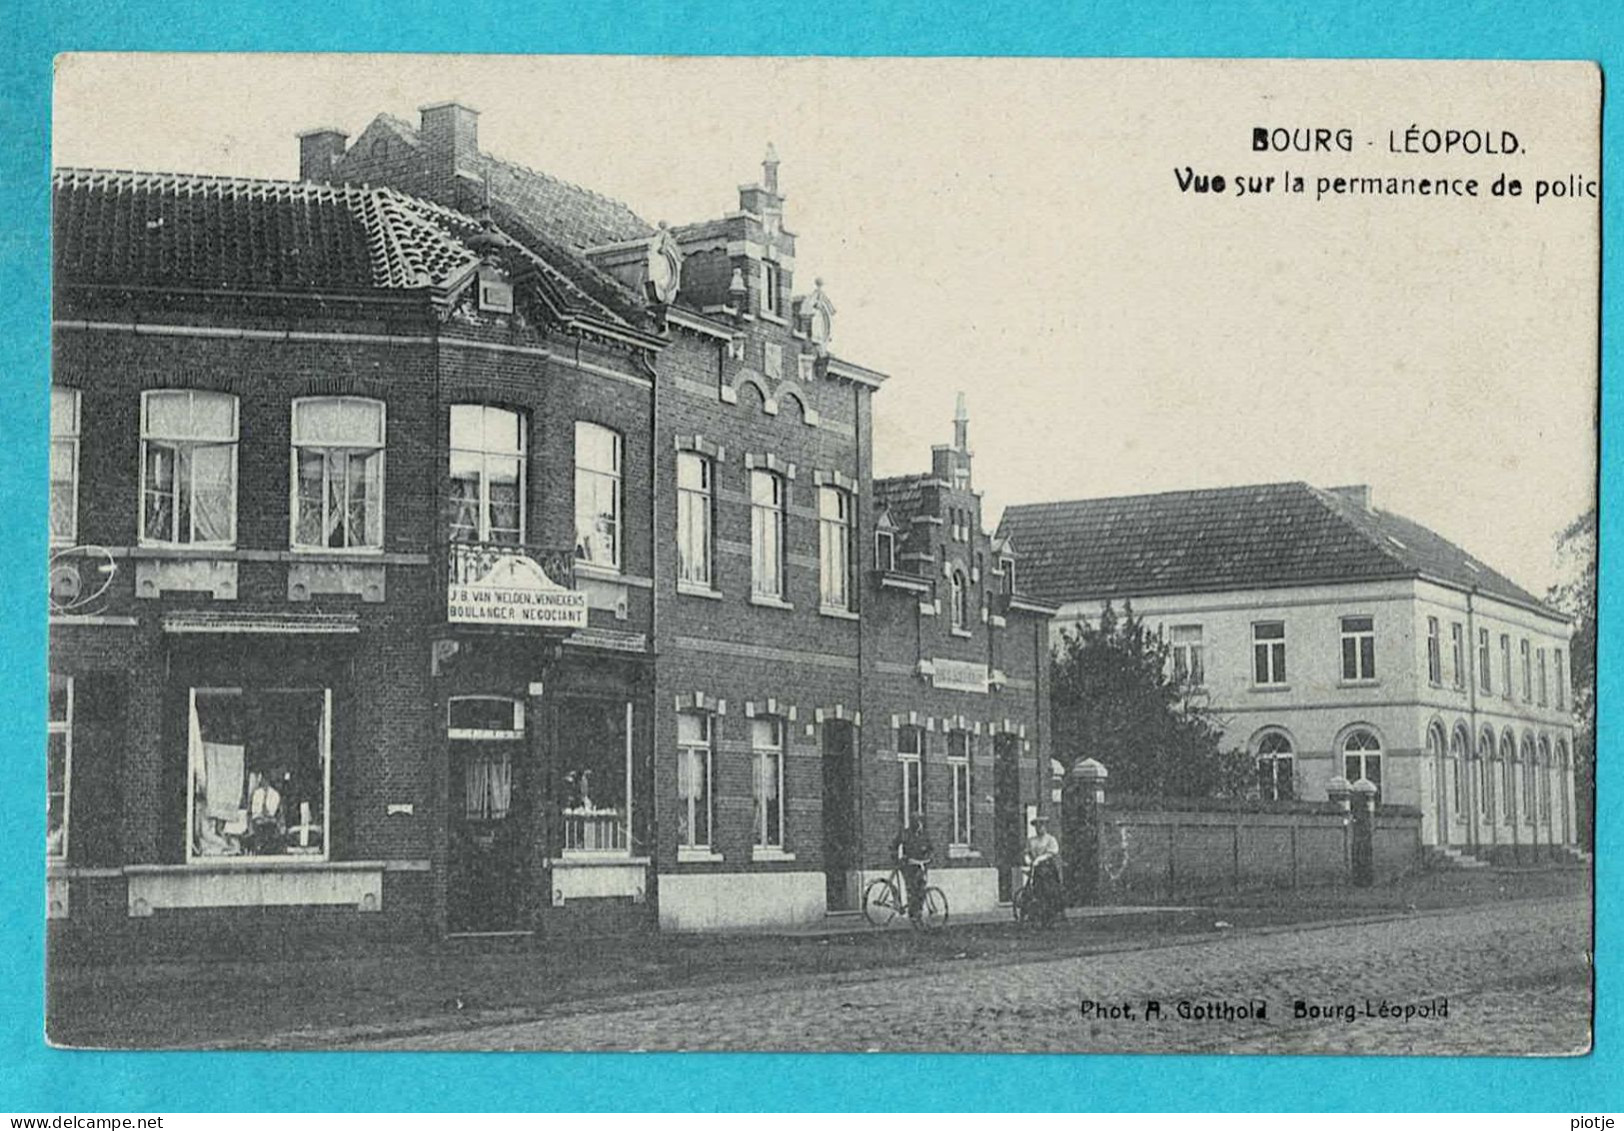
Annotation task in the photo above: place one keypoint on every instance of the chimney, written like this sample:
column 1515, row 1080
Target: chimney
column 450, row 136
column 319, row 151
column 1358, row 494
column 961, row 426
column 763, row 199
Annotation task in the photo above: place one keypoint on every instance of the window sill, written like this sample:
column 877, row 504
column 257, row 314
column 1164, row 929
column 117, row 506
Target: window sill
column 1269, row 688
column 600, row 572
column 837, row 612
column 694, row 589
column 769, row 316
column 179, row 550
column 692, row 854
column 760, row 854
column 344, row 553
column 962, row 852
column 1363, row 683
column 769, row 602
column 961, row 633
column 580, row 858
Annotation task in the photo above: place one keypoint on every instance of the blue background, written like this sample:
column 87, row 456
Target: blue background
column 35, row 1078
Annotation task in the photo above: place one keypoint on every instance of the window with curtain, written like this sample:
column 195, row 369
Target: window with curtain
column 338, row 453
column 484, row 730
column 766, row 534
column 58, row 764
column 598, row 453
column 188, row 467
column 834, row 546
column 487, row 469
column 767, row 755
column 695, row 513
column 694, row 758
column 1275, row 778
column 64, row 464
column 259, row 776
column 1189, row 666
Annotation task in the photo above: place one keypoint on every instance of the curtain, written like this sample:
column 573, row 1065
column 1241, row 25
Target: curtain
column 488, row 786
column 213, row 493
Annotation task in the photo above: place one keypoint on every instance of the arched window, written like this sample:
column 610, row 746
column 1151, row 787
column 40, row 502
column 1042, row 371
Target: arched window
column 1508, row 775
column 1530, row 781
column 960, row 598
column 1362, row 758
column 1275, row 780
column 1545, row 781
column 1459, row 751
column 1485, row 753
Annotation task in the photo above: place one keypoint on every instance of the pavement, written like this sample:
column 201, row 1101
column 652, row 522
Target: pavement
column 1504, row 980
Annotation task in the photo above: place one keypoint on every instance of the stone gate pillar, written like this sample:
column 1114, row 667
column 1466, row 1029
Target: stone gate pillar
column 1364, row 833
column 1083, row 804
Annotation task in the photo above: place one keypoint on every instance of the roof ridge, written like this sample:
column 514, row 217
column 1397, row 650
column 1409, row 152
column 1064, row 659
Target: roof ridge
column 63, row 175
column 1335, row 504
column 1275, row 484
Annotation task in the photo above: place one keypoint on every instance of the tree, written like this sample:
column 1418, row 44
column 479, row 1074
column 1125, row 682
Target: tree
column 1113, row 699
column 1576, row 596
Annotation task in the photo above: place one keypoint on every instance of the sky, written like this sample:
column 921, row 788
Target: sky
column 1015, row 229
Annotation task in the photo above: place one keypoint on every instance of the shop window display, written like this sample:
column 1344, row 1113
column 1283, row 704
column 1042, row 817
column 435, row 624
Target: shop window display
column 594, row 762
column 260, row 762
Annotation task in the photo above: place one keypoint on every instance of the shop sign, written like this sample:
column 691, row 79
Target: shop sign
column 515, row 591
column 959, row 675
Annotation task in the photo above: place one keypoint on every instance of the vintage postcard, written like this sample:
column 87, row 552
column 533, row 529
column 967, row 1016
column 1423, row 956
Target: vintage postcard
column 822, row 554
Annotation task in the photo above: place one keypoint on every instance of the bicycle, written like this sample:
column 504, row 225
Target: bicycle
column 885, row 897
column 1030, row 906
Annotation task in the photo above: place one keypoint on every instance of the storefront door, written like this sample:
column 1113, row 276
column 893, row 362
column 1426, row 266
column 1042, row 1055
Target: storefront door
column 839, row 816
column 486, row 795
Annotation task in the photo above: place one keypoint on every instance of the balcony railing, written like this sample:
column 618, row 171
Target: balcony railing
column 595, row 830
column 512, row 584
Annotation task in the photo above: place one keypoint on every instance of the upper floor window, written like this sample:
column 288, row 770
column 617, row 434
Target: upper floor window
column 1527, row 673
column 64, row 464
column 767, row 534
column 58, row 765
column 885, row 551
column 694, row 746
column 1358, row 648
column 1435, row 660
column 694, row 518
column 910, row 754
column 1275, row 781
column 1189, row 666
column 1505, row 665
column 1544, row 680
column 959, row 600
column 1457, row 653
column 1483, row 679
column 1561, row 678
column 487, row 474
column 1009, row 575
column 834, row 546
column 338, row 449
column 1269, row 652
column 188, row 467
column 767, row 752
column 772, row 285
column 597, row 494
column 958, row 767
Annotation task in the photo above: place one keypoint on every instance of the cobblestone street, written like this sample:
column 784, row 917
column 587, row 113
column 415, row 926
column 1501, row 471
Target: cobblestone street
column 1516, row 979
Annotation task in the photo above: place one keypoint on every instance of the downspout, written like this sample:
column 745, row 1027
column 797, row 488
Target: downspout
column 1474, row 804
column 652, row 882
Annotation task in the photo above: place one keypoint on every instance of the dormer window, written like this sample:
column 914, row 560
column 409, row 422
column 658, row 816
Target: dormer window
column 885, row 551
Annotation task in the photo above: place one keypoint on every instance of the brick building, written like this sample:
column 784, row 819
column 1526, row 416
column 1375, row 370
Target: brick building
column 1334, row 639
column 441, row 548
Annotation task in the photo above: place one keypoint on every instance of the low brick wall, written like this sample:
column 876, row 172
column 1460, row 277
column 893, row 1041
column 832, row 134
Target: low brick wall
column 1162, row 849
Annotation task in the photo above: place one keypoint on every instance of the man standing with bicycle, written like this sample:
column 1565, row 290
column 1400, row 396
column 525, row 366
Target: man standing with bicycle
column 913, row 850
